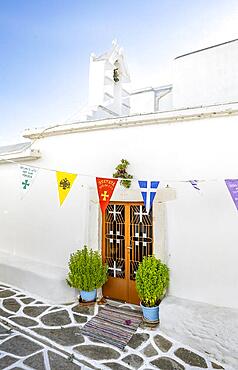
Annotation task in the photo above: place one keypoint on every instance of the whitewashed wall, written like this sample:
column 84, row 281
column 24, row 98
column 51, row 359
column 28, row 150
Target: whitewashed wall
column 206, row 77
column 165, row 103
column 201, row 229
column 143, row 102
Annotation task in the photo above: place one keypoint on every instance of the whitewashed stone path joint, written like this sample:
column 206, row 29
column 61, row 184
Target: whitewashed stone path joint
column 37, row 335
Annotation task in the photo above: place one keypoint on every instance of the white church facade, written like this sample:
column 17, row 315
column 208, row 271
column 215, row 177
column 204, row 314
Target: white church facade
column 172, row 134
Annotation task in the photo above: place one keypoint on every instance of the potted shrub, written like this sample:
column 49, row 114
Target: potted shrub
column 152, row 280
column 86, row 272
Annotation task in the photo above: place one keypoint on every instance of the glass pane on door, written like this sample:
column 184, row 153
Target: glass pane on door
column 141, row 236
column 115, row 240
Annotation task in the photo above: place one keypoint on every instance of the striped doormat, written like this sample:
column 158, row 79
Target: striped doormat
column 113, row 325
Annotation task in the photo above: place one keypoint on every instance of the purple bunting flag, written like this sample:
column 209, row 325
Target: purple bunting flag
column 233, row 189
column 194, row 183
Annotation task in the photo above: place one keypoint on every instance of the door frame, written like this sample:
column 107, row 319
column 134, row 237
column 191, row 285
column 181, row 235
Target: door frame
column 131, row 294
column 93, row 219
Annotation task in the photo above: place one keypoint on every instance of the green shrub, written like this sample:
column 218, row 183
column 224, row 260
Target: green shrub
column 86, row 270
column 152, row 280
column 121, row 172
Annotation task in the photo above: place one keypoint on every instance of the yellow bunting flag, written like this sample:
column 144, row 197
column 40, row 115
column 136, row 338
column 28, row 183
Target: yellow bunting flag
column 65, row 181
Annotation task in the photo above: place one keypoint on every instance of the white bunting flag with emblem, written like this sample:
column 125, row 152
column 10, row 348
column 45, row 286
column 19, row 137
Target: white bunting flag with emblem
column 148, row 191
column 28, row 175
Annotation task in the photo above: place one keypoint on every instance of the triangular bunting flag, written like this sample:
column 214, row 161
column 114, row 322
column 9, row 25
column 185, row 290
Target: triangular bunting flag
column 105, row 191
column 28, row 175
column 194, row 183
column 148, row 191
column 233, row 189
column 65, row 181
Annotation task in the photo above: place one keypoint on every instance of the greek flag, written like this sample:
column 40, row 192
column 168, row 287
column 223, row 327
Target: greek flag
column 148, row 191
column 195, row 184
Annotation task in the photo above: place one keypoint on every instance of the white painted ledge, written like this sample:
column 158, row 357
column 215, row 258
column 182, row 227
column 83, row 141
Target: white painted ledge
column 45, row 281
column 171, row 116
column 209, row 329
column 27, row 155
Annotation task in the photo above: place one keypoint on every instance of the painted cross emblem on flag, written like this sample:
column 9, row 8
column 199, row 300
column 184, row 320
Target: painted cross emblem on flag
column 28, row 175
column 148, row 191
column 194, row 183
column 105, row 190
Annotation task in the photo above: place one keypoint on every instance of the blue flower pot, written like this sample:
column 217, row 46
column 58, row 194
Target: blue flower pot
column 150, row 313
column 88, row 296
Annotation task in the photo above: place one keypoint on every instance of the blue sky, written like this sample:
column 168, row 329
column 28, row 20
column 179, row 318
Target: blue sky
column 46, row 44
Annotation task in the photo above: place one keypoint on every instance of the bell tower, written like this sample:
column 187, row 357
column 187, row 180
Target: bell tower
column 108, row 73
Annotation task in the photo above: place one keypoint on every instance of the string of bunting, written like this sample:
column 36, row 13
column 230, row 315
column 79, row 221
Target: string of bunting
column 106, row 186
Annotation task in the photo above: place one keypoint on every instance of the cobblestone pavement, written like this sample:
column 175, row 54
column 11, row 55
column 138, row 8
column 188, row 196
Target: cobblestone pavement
column 36, row 335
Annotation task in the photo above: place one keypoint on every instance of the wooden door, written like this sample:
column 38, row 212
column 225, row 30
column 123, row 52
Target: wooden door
column 127, row 236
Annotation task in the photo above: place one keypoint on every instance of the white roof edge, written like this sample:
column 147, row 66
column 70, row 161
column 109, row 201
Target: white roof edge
column 171, row 116
column 12, row 148
column 28, row 155
column 206, row 48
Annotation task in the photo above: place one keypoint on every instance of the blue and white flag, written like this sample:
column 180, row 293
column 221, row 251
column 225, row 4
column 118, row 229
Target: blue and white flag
column 148, row 191
column 194, row 183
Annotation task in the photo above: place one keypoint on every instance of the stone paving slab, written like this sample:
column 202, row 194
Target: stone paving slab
column 18, row 351
column 47, row 336
column 19, row 346
column 24, row 321
column 6, row 361
column 65, row 336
